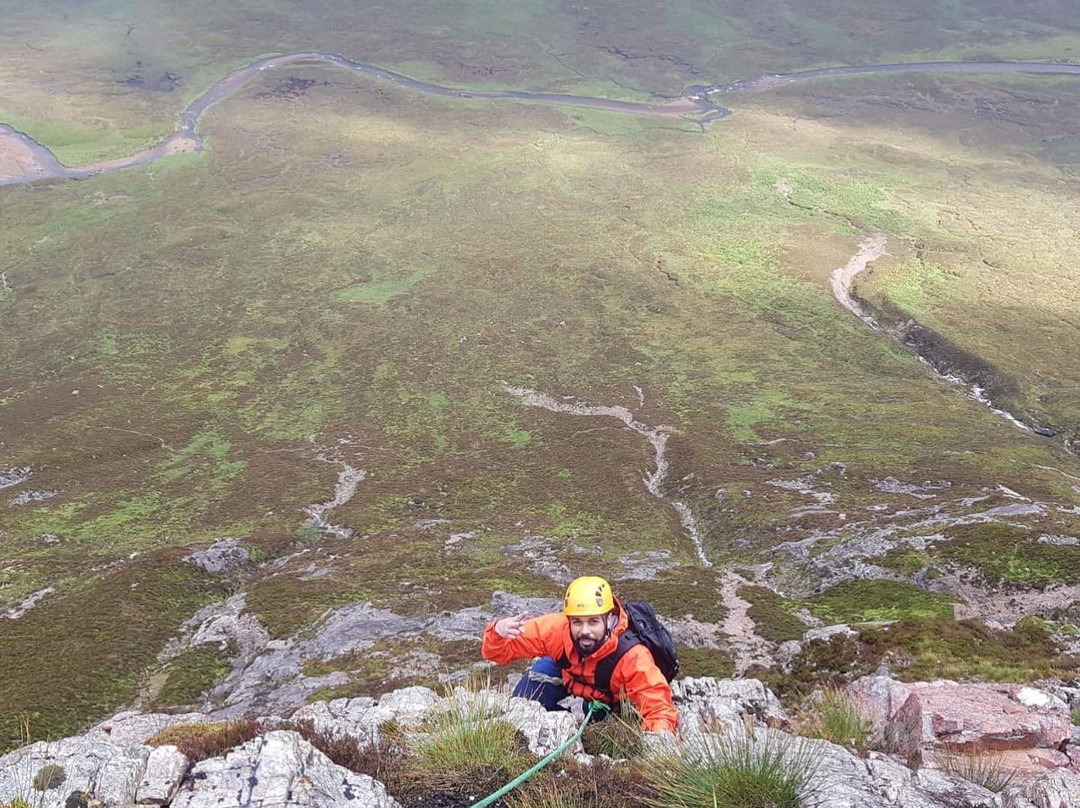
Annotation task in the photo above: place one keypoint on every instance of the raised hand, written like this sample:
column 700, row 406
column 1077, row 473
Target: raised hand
column 510, row 627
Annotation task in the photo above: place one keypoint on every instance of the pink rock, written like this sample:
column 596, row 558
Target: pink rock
column 976, row 718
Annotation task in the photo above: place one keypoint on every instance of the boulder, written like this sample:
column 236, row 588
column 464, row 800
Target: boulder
column 976, row 718
column 278, row 769
column 221, row 556
column 746, row 697
column 544, row 731
column 165, row 768
column 104, row 770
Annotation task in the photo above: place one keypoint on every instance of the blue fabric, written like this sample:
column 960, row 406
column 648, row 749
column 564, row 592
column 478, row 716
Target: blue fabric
column 535, row 684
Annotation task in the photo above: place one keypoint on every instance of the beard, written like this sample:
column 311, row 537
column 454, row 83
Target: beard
column 586, row 645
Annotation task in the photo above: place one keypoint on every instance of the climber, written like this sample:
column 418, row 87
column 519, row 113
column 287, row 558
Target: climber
column 591, row 651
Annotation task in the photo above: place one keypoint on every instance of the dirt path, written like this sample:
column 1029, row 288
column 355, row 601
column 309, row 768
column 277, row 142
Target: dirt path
column 749, row 648
column 23, row 160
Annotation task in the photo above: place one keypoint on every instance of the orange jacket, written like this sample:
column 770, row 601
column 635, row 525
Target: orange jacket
column 636, row 673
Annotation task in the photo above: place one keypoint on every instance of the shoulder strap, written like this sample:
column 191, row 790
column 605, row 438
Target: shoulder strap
column 606, row 666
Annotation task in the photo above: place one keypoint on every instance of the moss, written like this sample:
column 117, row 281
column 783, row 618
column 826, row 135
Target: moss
column 191, row 674
column 868, row 600
column 1008, row 555
column 772, row 614
column 49, row 776
column 705, row 662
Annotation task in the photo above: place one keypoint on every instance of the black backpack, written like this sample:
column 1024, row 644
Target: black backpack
column 644, row 629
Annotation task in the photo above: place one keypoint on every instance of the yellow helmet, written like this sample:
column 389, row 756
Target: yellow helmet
column 588, row 596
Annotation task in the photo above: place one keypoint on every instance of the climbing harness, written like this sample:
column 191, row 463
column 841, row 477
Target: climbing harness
column 594, row 706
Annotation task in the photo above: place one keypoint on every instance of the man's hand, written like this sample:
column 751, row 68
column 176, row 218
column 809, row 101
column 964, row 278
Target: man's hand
column 510, row 627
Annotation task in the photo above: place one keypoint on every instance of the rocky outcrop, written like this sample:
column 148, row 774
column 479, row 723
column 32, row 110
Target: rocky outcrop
column 110, row 772
column 278, row 770
column 962, row 717
column 223, row 555
column 113, row 765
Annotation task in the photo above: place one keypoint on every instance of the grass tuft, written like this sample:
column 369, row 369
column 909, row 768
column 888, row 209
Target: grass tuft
column 49, row 776
column 206, row 740
column 981, row 768
column 837, row 718
column 574, row 785
column 619, row 736
column 736, row 770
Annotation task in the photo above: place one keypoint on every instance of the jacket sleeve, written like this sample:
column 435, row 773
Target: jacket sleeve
column 541, row 636
column 638, row 677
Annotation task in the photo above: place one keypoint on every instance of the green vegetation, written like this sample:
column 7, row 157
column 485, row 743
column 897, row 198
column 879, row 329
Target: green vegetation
column 736, row 770
column 191, row 674
column 705, row 662
column 772, row 615
column 354, row 272
column 836, row 717
column 619, row 736
column 49, row 776
column 465, row 748
column 867, row 600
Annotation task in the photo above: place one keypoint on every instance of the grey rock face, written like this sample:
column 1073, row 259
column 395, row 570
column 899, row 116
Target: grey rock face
column 222, row 556
column 132, row 729
column 747, row 697
column 278, row 770
column 110, row 772
column 165, row 768
column 544, row 732
column 1058, row 789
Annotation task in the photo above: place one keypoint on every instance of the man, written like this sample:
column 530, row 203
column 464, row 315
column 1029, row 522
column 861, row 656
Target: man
column 581, row 655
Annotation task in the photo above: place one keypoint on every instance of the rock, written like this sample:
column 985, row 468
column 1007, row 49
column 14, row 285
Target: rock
column 108, row 772
column 222, row 556
column 278, row 769
column 828, row 632
column 878, row 698
column 975, row 717
column 131, row 728
column 357, row 718
column 747, row 697
column 409, row 703
column 165, row 768
column 1058, row 789
column 544, row 731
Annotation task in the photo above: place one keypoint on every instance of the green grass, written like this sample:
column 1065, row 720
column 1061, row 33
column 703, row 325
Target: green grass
column 466, row 748
column 984, row 769
column 837, row 718
column 772, row 614
column 737, row 770
column 190, row 675
column 868, row 600
column 229, row 316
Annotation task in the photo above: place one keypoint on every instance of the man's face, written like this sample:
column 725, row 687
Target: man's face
column 588, row 632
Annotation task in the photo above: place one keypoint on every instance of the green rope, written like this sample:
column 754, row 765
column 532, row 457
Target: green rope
column 517, row 781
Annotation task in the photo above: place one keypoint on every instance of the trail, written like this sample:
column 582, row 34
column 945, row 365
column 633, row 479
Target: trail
column 749, row 648
column 24, row 160
column 656, row 436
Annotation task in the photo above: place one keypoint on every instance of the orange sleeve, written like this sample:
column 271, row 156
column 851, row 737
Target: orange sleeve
column 638, row 677
column 543, row 636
